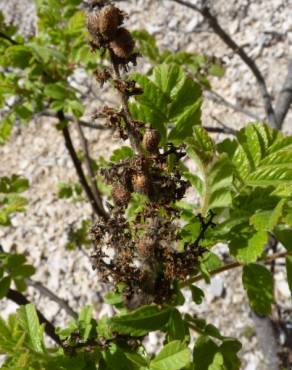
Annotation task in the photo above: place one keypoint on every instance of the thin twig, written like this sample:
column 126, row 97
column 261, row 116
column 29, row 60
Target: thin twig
column 88, row 164
column 231, row 266
column 284, row 99
column 226, row 38
column 73, row 119
column 214, row 96
column 21, row 300
column 79, row 170
column 45, row 291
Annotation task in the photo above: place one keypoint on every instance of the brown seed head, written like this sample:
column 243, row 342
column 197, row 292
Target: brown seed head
column 145, row 247
column 141, row 183
column 151, row 140
column 93, row 24
column 123, row 44
column 110, row 18
column 121, row 196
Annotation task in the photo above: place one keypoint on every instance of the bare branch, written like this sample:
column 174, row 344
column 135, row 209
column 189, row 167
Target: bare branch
column 72, row 119
column 69, row 145
column 214, row 96
column 88, row 164
column 21, row 300
column 226, row 38
column 285, row 97
column 45, row 291
column 231, row 266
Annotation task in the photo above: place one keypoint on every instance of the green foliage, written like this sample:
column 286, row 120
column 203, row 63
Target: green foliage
column 78, row 237
column 258, row 282
column 70, row 190
column 10, row 200
column 171, row 102
column 244, row 189
column 174, row 356
column 13, row 268
column 141, row 321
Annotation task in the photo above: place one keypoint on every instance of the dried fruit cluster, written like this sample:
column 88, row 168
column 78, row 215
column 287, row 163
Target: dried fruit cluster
column 104, row 23
column 146, row 254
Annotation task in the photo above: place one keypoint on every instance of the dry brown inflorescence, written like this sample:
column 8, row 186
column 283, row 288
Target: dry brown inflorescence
column 145, row 253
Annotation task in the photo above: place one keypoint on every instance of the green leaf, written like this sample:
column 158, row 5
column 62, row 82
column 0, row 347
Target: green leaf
column 4, row 286
column 197, row 294
column 121, row 153
column 13, row 184
column 28, row 320
column 170, row 98
column 147, row 45
column 262, row 156
column 267, row 220
column 176, row 326
column 284, row 236
column 210, row 356
column 5, row 129
column 258, row 282
column 204, row 353
column 58, row 91
column 174, row 356
column 289, row 271
column 18, row 56
column 141, row 321
column 247, row 250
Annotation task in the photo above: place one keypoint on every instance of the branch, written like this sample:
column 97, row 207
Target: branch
column 88, row 164
column 21, row 300
column 221, row 130
column 285, row 97
column 72, row 119
column 224, row 36
column 135, row 143
column 79, row 170
column 231, row 266
column 45, row 291
column 214, row 96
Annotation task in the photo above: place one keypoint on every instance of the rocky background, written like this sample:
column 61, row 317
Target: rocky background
column 37, row 152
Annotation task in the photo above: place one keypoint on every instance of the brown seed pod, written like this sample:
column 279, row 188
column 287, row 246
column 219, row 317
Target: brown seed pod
column 93, row 24
column 141, row 183
column 123, row 44
column 151, row 140
column 145, row 247
column 121, row 196
column 110, row 18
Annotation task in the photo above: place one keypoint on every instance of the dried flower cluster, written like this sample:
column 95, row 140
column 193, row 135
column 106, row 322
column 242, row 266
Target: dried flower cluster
column 146, row 254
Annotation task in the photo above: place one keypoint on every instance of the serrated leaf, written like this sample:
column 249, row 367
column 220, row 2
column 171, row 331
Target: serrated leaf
column 262, row 156
column 248, row 249
column 174, row 356
column 28, row 320
column 267, row 220
column 170, row 98
column 141, row 321
column 258, row 282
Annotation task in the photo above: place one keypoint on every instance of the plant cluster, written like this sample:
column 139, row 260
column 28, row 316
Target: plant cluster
column 149, row 241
